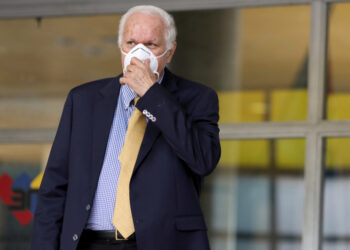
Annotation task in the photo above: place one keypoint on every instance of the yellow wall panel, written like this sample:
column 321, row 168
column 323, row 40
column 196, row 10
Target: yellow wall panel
column 289, row 105
column 290, row 153
column 338, row 155
column 338, row 106
column 245, row 154
column 245, row 106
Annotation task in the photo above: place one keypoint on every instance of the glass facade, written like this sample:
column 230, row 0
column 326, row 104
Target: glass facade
column 249, row 198
column 338, row 74
column 257, row 59
column 336, row 230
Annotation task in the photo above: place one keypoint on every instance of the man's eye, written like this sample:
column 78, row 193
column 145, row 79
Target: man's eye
column 130, row 43
column 151, row 45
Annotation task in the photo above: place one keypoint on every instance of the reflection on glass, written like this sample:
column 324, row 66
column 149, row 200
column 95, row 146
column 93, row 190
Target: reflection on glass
column 287, row 203
column 336, row 229
column 20, row 177
column 286, row 245
column 256, row 58
column 41, row 62
column 338, row 74
column 249, row 198
column 254, row 214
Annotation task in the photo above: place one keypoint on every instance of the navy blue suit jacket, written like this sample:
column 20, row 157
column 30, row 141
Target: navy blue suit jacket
column 178, row 150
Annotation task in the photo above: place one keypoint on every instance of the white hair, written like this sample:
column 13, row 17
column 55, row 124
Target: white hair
column 170, row 32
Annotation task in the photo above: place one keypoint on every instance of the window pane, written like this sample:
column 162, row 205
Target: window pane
column 338, row 74
column 256, row 58
column 20, row 177
column 336, row 229
column 249, row 198
column 286, row 245
column 41, row 62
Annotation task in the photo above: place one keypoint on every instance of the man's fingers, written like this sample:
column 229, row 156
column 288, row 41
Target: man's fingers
column 131, row 68
column 129, row 75
column 126, row 80
column 137, row 66
column 122, row 80
column 144, row 65
column 136, row 61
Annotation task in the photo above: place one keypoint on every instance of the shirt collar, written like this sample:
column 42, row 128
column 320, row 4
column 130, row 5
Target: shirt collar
column 128, row 94
column 161, row 78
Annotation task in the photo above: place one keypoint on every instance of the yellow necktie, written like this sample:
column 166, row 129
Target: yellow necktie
column 122, row 217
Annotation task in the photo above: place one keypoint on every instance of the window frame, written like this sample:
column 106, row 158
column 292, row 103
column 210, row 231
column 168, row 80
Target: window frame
column 315, row 129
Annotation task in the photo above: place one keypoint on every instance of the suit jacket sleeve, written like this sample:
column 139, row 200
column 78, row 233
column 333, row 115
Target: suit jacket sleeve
column 52, row 193
column 191, row 130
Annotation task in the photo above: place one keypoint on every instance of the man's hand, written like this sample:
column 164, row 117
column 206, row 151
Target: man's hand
column 139, row 76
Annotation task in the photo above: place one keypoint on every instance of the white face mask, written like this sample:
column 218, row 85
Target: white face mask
column 141, row 52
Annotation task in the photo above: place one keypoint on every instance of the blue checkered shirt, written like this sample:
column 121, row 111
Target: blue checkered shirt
column 102, row 210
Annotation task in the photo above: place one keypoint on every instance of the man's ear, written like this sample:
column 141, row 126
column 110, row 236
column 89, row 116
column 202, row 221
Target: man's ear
column 172, row 51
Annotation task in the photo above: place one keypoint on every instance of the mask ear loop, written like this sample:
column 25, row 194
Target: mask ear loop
column 124, row 53
column 156, row 73
column 166, row 51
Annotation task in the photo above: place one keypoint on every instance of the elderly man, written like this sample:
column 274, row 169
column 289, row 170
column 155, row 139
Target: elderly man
column 130, row 153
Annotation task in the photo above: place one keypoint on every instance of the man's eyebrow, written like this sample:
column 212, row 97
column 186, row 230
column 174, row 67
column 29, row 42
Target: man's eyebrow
column 152, row 41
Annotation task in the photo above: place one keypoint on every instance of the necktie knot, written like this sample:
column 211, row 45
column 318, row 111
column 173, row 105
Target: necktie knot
column 136, row 99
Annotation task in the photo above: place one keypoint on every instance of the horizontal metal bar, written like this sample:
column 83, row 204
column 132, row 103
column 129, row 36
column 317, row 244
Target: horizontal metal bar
column 228, row 131
column 35, row 8
column 283, row 130
column 262, row 130
column 336, row 1
column 27, row 135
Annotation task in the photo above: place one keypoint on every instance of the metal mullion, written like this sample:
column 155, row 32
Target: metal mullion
column 313, row 205
column 314, row 142
column 317, row 61
column 230, row 131
column 266, row 130
column 334, row 128
column 334, row 134
column 263, row 130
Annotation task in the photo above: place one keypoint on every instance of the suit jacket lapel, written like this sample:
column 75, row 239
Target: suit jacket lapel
column 152, row 131
column 104, row 108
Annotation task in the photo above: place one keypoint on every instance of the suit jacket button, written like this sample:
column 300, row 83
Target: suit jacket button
column 87, row 207
column 75, row 237
column 144, row 111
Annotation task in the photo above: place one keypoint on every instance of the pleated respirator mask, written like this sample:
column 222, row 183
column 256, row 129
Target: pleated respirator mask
column 143, row 53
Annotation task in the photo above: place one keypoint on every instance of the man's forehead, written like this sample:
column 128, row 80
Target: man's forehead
column 144, row 21
column 144, row 28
